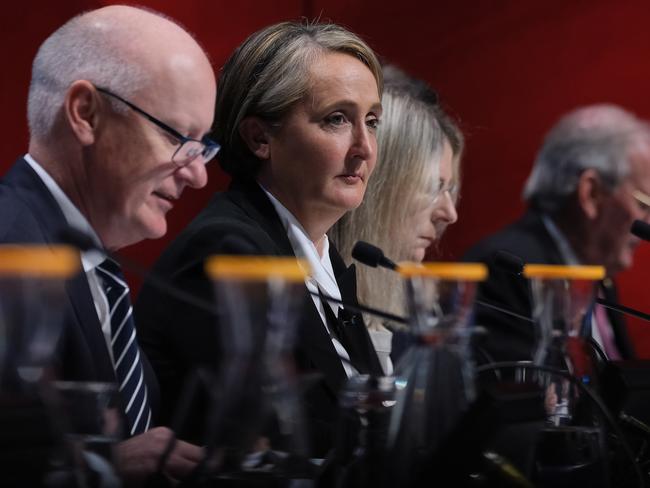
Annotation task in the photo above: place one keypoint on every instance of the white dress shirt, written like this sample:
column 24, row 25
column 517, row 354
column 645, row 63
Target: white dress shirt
column 322, row 273
column 89, row 259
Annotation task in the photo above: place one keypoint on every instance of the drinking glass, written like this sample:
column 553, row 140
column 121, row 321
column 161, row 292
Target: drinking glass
column 257, row 423
column 562, row 297
column 32, row 303
column 434, row 379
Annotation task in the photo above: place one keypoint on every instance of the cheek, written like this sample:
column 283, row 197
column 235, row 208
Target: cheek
column 422, row 218
column 372, row 161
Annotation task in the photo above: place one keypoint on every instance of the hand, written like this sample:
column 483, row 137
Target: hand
column 138, row 457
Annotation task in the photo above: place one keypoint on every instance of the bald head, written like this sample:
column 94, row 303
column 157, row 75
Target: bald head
column 116, row 93
column 124, row 49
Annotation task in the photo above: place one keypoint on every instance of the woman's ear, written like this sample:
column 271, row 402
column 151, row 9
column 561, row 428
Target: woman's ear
column 81, row 110
column 256, row 134
column 590, row 193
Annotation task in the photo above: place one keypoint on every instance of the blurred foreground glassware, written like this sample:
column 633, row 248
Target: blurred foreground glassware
column 90, row 415
column 562, row 297
column 257, row 423
column 32, row 300
column 434, row 379
column 366, row 402
column 570, row 450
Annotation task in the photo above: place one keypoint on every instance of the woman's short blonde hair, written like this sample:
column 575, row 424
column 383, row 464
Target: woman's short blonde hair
column 268, row 74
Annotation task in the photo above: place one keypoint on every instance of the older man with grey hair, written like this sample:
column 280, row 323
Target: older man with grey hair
column 590, row 181
column 119, row 105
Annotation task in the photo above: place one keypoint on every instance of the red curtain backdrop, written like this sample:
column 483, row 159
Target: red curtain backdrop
column 507, row 69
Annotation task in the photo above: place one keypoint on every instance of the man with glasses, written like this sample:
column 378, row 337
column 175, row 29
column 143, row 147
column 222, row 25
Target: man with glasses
column 119, row 105
column 590, row 181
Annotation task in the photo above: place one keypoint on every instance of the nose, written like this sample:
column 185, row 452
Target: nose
column 194, row 174
column 444, row 209
column 364, row 145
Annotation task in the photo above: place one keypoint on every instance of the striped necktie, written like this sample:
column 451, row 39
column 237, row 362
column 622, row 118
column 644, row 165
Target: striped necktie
column 126, row 354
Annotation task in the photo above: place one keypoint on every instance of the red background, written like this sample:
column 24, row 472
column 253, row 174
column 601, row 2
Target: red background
column 508, row 69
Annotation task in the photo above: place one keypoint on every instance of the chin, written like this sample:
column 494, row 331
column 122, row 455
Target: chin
column 154, row 229
column 349, row 198
column 418, row 255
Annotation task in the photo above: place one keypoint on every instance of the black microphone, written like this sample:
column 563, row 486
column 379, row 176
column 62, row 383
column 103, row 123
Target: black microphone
column 370, row 255
column 641, row 229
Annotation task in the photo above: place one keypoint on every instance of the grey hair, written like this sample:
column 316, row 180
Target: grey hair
column 599, row 137
column 409, row 147
column 80, row 50
column 268, row 74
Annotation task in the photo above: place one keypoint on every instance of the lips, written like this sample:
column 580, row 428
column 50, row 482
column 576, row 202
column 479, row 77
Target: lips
column 166, row 197
column 351, row 178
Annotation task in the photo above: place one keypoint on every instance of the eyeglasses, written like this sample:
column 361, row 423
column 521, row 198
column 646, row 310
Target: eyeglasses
column 188, row 150
column 642, row 200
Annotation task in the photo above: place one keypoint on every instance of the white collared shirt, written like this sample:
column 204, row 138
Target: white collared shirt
column 89, row 259
column 322, row 273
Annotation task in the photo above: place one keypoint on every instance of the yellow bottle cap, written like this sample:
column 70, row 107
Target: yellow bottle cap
column 553, row 271
column 448, row 271
column 256, row 268
column 56, row 261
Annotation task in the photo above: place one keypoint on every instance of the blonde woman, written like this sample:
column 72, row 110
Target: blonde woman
column 410, row 199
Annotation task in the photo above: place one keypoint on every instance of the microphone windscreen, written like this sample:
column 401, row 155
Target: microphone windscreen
column 367, row 254
column 641, row 229
column 76, row 238
column 508, row 262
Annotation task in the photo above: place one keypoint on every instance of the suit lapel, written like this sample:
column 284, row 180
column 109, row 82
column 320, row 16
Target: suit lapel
column 250, row 197
column 316, row 345
column 315, row 348
column 86, row 315
column 355, row 329
column 31, row 188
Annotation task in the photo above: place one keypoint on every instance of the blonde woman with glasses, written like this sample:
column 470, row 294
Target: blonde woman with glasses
column 411, row 198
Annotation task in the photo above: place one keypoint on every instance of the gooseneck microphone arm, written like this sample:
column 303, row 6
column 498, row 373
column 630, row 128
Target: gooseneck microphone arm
column 83, row 242
column 371, row 255
column 359, row 308
column 511, row 263
column 623, row 309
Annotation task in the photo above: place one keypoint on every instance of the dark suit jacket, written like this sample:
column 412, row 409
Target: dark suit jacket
column 510, row 338
column 177, row 336
column 29, row 214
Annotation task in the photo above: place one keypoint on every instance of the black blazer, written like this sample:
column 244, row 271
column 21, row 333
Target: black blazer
column 178, row 337
column 510, row 338
column 29, row 214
